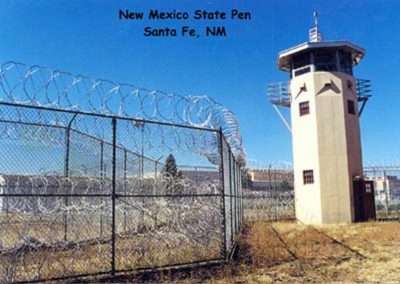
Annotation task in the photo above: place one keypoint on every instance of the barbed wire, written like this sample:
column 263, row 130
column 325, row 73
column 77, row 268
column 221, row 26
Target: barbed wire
column 265, row 165
column 288, row 165
column 383, row 162
column 39, row 86
column 150, row 229
column 63, row 162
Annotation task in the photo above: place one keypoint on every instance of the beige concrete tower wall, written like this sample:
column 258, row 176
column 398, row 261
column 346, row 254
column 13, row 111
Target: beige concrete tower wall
column 305, row 150
column 333, row 144
column 326, row 141
column 353, row 134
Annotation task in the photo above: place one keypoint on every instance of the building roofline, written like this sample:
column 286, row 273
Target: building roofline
column 285, row 55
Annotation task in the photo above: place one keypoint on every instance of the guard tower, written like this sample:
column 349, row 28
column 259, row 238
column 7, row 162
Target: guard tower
column 325, row 103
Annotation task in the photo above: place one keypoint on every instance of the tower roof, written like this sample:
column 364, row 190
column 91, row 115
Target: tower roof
column 284, row 58
column 316, row 42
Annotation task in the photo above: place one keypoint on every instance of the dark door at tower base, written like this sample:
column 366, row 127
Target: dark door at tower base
column 364, row 200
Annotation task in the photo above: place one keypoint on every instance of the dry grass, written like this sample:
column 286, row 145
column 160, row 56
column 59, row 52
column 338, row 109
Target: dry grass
column 133, row 252
column 299, row 253
column 148, row 247
column 267, row 252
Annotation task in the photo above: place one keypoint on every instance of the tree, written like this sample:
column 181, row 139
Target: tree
column 285, row 186
column 172, row 175
column 247, row 182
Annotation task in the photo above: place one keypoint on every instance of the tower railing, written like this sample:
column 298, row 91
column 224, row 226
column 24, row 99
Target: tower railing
column 279, row 92
column 364, row 89
column 364, row 92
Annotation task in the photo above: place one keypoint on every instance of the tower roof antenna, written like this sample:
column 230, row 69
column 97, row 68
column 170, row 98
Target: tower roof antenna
column 315, row 14
column 315, row 35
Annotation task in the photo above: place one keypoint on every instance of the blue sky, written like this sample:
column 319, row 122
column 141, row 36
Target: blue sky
column 87, row 37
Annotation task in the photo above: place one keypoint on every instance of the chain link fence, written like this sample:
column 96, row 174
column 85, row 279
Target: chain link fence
column 387, row 190
column 270, row 196
column 87, row 194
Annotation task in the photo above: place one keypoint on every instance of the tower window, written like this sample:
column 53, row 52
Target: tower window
column 301, row 64
column 350, row 107
column 302, row 70
column 325, row 60
column 345, row 62
column 304, row 108
column 308, row 177
column 301, row 60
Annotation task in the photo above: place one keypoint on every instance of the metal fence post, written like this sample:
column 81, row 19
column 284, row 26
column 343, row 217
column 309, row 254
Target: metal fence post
column 113, row 194
column 102, row 183
column 275, row 197
column 221, row 149
column 231, row 194
column 155, row 178
column 234, row 225
column 125, row 183
column 235, row 197
column 237, row 201
column 241, row 195
column 66, row 171
column 142, row 153
column 385, row 187
column 241, row 198
column 66, row 174
column 270, row 192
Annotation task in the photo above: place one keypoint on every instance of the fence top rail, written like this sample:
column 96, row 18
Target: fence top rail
column 107, row 116
column 372, row 169
column 197, row 167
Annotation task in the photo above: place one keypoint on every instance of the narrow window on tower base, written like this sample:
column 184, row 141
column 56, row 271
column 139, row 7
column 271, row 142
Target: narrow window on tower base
column 350, row 107
column 304, row 108
column 308, row 177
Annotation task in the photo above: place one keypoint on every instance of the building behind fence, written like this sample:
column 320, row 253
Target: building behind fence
column 271, row 196
column 387, row 190
column 87, row 193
